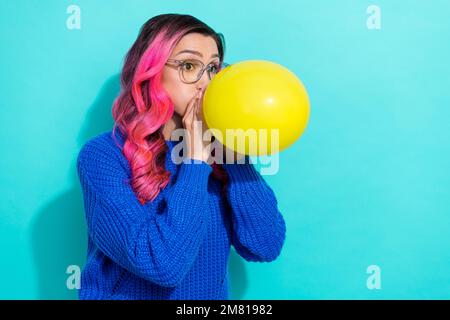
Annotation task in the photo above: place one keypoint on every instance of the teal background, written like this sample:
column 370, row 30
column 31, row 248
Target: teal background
column 367, row 183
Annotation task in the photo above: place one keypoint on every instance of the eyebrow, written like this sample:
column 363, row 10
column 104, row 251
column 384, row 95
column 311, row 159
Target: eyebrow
column 196, row 53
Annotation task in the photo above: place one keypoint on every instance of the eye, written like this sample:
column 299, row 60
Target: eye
column 188, row 66
column 214, row 68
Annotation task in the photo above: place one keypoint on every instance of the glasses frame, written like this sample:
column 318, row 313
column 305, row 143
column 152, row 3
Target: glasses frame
column 178, row 63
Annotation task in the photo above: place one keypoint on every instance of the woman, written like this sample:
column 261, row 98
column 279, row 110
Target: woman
column 160, row 229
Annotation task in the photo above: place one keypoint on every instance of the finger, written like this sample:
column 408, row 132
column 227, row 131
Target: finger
column 193, row 118
column 202, row 97
column 189, row 109
column 195, row 107
column 189, row 106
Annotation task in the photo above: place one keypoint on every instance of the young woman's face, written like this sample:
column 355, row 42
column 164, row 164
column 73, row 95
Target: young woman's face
column 202, row 48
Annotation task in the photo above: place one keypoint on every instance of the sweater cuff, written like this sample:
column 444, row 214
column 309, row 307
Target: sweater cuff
column 195, row 172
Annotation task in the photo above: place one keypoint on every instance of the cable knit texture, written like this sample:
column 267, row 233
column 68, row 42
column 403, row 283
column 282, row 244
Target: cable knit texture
column 177, row 246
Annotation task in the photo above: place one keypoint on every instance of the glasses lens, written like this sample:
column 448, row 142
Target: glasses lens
column 190, row 70
column 218, row 68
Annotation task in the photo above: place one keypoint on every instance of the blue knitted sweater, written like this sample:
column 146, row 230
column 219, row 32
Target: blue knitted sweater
column 177, row 246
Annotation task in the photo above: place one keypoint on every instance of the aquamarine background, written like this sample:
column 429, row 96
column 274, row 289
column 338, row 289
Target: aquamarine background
column 367, row 183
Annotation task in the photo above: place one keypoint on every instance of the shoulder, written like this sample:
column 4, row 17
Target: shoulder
column 102, row 148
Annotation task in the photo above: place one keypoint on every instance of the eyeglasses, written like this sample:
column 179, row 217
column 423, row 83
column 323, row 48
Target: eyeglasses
column 191, row 70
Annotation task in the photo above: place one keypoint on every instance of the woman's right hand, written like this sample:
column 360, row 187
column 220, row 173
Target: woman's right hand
column 192, row 123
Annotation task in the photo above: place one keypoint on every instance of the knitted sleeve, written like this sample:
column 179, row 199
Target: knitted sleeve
column 157, row 244
column 259, row 229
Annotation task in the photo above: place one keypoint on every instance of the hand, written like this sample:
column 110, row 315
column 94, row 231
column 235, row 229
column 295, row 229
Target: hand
column 192, row 122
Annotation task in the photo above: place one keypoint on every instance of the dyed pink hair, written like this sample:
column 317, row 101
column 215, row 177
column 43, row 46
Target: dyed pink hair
column 143, row 106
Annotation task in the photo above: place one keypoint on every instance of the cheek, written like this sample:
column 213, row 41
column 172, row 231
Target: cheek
column 170, row 85
column 180, row 93
column 182, row 96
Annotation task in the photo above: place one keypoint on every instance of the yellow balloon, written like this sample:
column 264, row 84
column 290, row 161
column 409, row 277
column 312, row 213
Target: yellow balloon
column 256, row 107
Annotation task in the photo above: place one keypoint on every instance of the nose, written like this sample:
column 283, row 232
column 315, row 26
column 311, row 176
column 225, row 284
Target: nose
column 203, row 81
column 202, row 92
